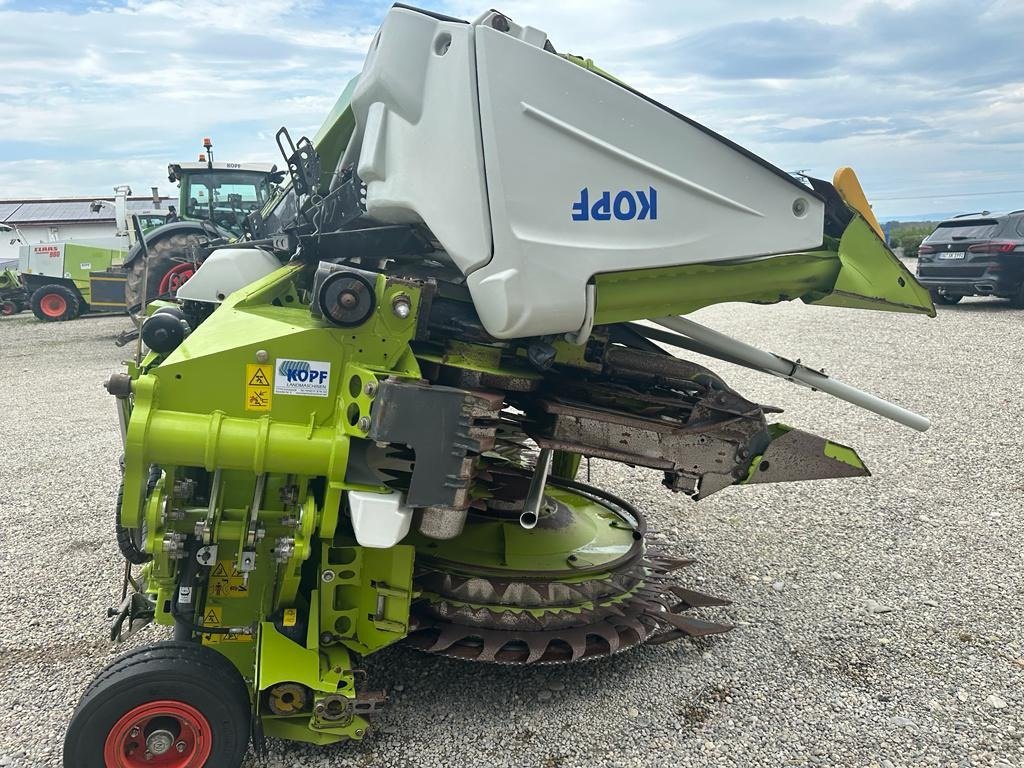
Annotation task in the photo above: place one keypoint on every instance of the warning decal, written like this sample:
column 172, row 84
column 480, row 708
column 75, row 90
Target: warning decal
column 257, row 376
column 258, row 389
column 226, row 581
column 212, row 617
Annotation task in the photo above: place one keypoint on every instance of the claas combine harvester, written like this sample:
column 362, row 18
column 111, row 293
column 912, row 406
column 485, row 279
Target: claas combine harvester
column 361, row 425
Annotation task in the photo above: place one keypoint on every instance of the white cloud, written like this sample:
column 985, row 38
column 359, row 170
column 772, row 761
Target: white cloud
column 120, row 90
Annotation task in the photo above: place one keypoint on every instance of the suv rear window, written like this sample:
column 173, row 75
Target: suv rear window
column 964, row 229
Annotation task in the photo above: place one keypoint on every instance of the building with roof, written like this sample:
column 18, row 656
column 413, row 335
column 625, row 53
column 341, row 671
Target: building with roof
column 58, row 219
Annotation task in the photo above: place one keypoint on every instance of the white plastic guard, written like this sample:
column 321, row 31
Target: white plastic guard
column 380, row 520
column 225, row 271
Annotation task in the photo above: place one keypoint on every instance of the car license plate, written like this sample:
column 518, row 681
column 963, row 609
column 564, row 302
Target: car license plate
column 953, row 255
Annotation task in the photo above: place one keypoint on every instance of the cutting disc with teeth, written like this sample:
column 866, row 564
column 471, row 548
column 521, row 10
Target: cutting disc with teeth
column 526, row 601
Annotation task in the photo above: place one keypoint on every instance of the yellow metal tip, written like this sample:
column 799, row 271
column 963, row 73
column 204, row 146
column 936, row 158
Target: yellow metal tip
column 848, row 185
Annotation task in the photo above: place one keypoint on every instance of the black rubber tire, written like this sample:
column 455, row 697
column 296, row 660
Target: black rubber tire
column 189, row 673
column 164, row 254
column 1017, row 300
column 129, row 540
column 9, row 307
column 949, row 298
column 72, row 303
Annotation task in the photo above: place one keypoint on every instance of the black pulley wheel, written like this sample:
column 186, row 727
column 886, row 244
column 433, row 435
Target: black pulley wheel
column 173, row 704
column 346, row 299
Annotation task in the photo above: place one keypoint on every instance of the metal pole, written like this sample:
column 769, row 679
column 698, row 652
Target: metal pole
column 136, row 224
column 729, row 347
column 535, row 496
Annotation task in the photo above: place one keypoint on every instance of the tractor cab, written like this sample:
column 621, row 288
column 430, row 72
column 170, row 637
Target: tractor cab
column 214, row 200
column 222, row 193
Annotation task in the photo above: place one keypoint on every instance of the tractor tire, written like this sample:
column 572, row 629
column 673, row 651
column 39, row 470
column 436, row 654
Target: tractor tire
column 182, row 702
column 164, row 255
column 55, row 303
column 8, row 308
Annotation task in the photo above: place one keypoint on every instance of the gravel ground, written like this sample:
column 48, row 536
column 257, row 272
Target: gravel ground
column 879, row 621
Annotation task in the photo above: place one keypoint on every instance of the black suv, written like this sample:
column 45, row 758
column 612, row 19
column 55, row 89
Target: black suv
column 977, row 254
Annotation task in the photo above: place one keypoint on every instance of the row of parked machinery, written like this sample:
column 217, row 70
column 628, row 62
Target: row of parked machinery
column 65, row 280
column 976, row 254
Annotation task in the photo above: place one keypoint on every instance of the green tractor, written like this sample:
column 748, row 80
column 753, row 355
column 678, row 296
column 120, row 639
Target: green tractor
column 361, row 424
column 13, row 297
column 213, row 202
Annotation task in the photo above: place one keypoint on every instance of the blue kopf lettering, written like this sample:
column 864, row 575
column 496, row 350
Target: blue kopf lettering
column 626, row 205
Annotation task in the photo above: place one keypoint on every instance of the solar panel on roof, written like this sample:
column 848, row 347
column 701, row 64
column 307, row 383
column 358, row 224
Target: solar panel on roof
column 6, row 209
column 63, row 211
column 55, row 211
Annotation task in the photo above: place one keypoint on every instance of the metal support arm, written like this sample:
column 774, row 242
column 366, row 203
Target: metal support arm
column 733, row 350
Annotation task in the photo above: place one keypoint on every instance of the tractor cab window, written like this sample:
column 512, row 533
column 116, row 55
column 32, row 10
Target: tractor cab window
column 225, row 198
column 152, row 221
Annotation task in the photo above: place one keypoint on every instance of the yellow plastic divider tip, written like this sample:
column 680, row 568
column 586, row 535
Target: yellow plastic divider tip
column 848, row 185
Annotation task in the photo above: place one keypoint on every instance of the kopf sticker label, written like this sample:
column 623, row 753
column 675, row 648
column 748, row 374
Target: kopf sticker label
column 310, row 378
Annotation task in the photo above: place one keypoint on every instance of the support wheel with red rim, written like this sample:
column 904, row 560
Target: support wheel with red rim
column 172, row 705
column 55, row 302
column 9, row 308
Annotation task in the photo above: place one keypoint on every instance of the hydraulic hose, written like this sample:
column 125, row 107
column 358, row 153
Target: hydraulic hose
column 184, row 623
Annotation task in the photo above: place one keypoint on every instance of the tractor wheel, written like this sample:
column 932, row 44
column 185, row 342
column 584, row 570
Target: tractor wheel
column 175, row 704
column 165, row 255
column 53, row 303
column 9, row 308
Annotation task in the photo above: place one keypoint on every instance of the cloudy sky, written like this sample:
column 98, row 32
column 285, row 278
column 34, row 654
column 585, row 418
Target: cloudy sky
column 924, row 98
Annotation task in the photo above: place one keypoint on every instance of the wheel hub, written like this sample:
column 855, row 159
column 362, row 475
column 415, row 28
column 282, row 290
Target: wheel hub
column 53, row 305
column 176, row 277
column 159, row 741
column 169, row 734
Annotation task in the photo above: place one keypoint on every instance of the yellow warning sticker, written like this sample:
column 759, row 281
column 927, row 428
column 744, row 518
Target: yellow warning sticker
column 212, row 618
column 227, row 581
column 258, row 389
